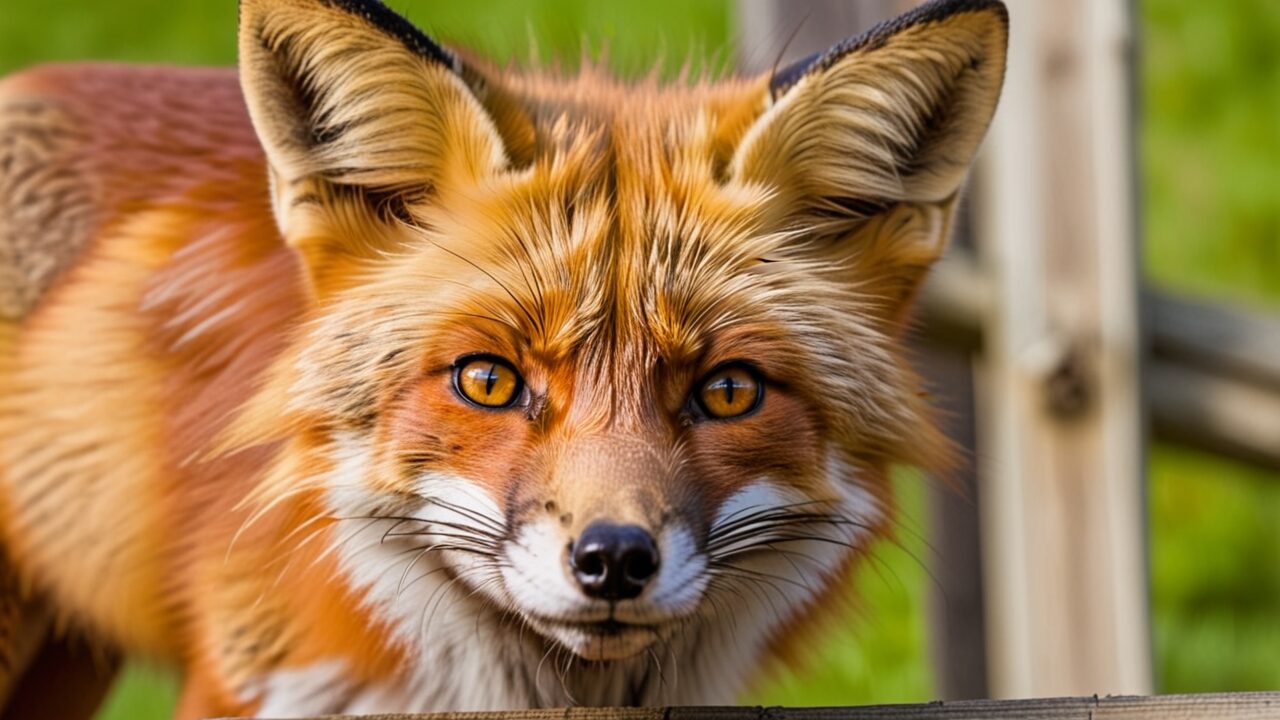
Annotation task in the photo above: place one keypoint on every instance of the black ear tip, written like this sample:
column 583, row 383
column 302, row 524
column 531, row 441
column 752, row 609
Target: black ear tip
column 388, row 21
column 940, row 9
column 785, row 77
column 930, row 12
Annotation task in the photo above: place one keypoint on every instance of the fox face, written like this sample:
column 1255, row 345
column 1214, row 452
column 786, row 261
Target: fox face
column 619, row 366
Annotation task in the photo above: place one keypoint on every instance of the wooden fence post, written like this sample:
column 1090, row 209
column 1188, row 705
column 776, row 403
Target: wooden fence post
column 1062, row 433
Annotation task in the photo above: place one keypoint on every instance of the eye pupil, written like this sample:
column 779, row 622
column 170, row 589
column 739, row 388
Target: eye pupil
column 733, row 391
column 493, row 378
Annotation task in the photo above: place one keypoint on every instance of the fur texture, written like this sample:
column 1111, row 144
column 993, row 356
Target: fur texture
column 229, row 434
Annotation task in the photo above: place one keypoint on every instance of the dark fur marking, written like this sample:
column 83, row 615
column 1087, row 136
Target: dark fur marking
column 387, row 21
column 306, row 199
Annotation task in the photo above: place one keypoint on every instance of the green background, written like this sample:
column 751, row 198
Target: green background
column 1210, row 162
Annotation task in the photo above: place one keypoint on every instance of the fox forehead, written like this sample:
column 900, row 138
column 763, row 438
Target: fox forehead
column 614, row 268
column 621, row 238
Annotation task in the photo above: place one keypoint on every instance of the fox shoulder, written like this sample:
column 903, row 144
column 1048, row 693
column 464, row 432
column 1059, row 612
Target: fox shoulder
column 82, row 144
column 46, row 203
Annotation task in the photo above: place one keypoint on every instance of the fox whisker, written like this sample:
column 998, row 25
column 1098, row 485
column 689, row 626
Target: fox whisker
column 463, row 536
column 496, row 526
column 747, row 536
column 751, row 512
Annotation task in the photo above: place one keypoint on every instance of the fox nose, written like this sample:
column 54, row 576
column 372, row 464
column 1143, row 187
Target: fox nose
column 614, row 562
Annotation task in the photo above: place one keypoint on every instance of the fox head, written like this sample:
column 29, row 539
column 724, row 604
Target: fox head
column 621, row 361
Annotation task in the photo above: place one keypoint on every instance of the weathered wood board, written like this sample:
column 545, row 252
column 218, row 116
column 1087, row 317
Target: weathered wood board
column 1224, row 706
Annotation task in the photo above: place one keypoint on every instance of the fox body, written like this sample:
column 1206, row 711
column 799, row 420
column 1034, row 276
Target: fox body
column 379, row 379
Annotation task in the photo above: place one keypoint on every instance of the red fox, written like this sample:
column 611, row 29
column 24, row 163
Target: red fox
column 378, row 378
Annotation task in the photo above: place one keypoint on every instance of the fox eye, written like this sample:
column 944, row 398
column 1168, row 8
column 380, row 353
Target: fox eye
column 730, row 391
column 487, row 381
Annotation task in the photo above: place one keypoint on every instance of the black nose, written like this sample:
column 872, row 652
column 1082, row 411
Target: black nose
column 614, row 562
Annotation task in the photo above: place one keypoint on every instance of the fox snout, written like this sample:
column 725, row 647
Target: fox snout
column 605, row 553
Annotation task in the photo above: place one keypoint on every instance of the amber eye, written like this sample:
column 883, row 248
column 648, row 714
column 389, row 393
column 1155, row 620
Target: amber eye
column 730, row 391
column 487, row 381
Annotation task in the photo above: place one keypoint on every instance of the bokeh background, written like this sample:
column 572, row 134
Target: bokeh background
column 1209, row 161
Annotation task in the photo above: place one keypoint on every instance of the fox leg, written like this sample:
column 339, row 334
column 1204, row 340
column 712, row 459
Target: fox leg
column 64, row 680
column 44, row 673
column 23, row 624
column 22, row 630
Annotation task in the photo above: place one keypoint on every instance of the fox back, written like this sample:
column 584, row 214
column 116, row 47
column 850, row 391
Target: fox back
column 386, row 379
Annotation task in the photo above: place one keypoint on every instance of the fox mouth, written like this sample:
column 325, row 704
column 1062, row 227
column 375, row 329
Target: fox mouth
column 606, row 639
column 610, row 626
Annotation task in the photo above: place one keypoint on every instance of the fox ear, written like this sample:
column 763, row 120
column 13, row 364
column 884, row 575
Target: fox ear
column 893, row 115
column 870, row 141
column 360, row 115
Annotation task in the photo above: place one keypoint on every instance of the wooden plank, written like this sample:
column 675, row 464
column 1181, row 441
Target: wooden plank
column 1062, row 432
column 1224, row 706
column 1219, row 338
column 1241, row 343
column 1245, row 420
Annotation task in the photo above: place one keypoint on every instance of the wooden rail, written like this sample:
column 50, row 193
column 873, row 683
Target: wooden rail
column 1223, row 706
column 1212, row 375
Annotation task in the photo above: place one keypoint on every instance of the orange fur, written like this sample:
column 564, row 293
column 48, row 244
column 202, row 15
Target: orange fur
column 251, row 328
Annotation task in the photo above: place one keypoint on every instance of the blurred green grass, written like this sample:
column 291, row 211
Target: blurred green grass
column 142, row 692
column 1210, row 158
column 1210, row 147
column 633, row 37
column 1209, row 144
column 1215, row 574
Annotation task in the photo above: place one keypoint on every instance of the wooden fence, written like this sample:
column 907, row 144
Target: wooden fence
column 1232, row 706
column 1055, row 363
column 1212, row 370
